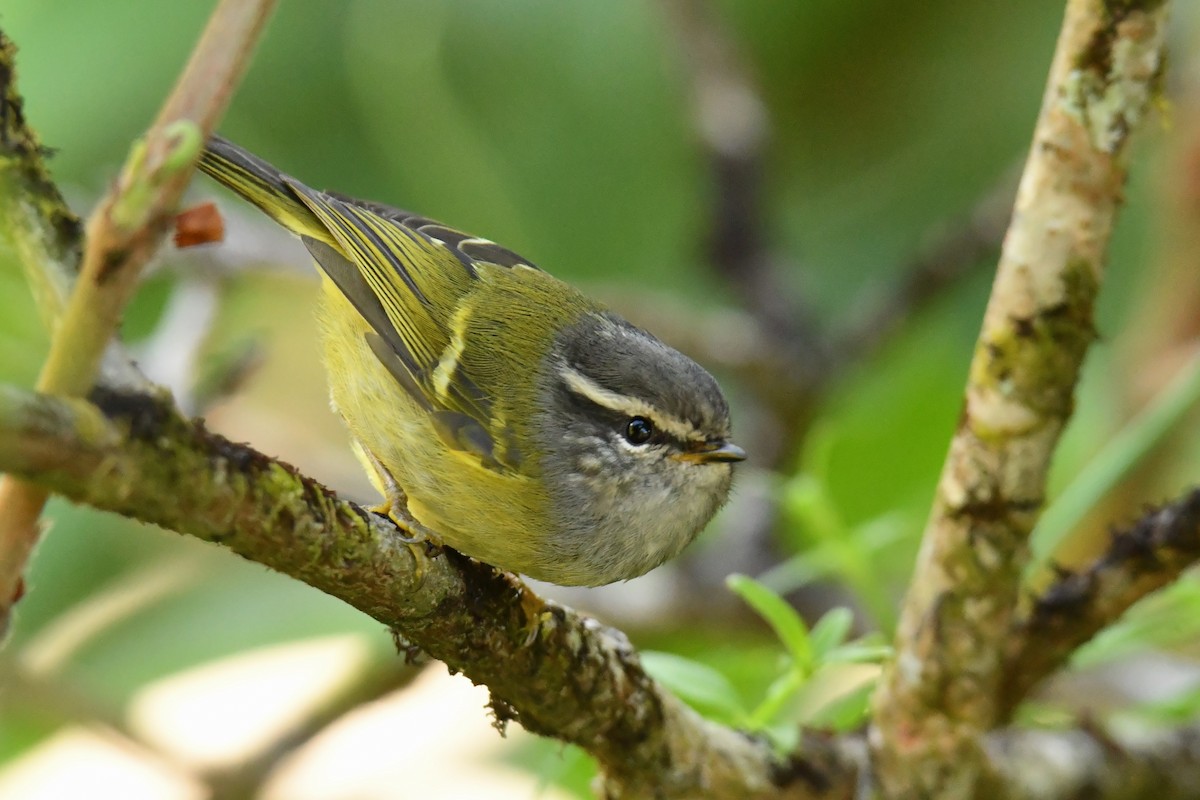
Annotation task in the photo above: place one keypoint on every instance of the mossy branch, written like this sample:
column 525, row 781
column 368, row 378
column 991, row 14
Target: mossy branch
column 555, row 672
column 944, row 689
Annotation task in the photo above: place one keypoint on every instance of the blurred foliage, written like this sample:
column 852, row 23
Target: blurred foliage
column 817, row 686
column 812, row 687
column 564, row 131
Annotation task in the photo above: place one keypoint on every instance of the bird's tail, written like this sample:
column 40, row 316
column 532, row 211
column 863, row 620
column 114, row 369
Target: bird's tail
column 261, row 184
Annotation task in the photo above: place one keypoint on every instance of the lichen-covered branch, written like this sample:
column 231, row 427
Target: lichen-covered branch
column 944, row 688
column 554, row 671
column 1139, row 559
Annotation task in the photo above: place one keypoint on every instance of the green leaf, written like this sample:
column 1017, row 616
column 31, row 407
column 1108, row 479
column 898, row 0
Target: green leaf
column 698, row 684
column 859, row 653
column 784, row 619
column 819, row 703
column 779, row 694
column 844, row 712
column 830, row 632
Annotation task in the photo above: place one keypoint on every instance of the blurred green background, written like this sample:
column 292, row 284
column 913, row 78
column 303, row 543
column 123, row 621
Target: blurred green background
column 565, row 131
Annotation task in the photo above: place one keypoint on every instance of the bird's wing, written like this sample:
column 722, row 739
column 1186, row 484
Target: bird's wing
column 402, row 280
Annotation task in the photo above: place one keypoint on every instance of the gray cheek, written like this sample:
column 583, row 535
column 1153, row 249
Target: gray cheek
column 597, row 477
column 573, row 468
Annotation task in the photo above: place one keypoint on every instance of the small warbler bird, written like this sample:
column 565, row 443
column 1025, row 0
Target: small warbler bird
column 522, row 423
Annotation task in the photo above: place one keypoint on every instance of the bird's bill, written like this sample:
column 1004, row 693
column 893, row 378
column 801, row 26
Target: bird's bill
column 712, row 453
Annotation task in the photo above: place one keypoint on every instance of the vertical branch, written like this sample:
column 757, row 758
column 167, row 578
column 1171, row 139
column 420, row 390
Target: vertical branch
column 121, row 236
column 733, row 129
column 943, row 689
column 797, row 358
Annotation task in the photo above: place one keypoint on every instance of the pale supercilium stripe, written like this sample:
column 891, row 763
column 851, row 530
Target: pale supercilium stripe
column 579, row 383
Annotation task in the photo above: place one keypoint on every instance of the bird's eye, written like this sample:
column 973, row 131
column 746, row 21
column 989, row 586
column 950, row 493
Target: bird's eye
column 639, row 430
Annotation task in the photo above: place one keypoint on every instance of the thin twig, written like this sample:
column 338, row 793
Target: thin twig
column 795, row 358
column 122, row 234
column 952, row 252
column 734, row 129
column 944, row 688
